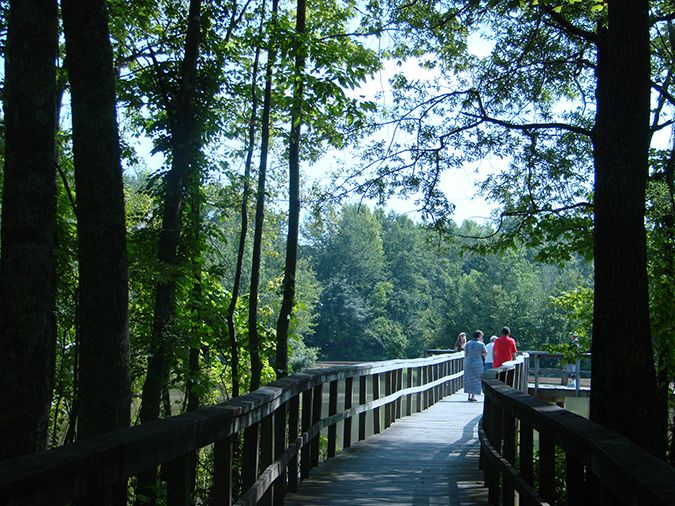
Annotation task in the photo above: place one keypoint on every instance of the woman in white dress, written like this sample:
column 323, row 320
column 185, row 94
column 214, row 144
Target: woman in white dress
column 474, row 351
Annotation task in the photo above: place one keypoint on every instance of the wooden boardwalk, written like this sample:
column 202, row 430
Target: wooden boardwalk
column 429, row 458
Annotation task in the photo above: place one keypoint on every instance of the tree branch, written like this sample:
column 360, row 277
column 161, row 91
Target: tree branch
column 570, row 28
column 665, row 94
column 557, row 210
column 532, row 126
column 660, row 19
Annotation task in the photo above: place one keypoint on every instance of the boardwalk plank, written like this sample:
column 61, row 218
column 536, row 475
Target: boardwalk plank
column 428, row 458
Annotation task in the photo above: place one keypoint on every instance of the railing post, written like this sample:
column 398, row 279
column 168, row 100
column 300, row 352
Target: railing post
column 266, row 451
column 443, row 387
column 177, row 476
column 546, row 468
column 293, row 425
column 376, row 396
column 431, row 398
column 250, row 456
column 418, row 380
column 389, row 407
column 408, row 398
column 363, row 398
column 509, row 431
column 332, row 409
column 392, row 390
column 517, row 377
column 491, row 472
column 510, row 377
column 347, row 426
column 575, row 481
column 497, row 436
column 425, row 382
column 223, row 459
column 434, row 390
column 527, row 453
column 536, row 374
column 280, row 445
column 434, row 377
column 456, row 383
column 442, row 374
column 306, row 452
column 597, row 491
column 399, row 383
column 317, row 404
column 526, row 374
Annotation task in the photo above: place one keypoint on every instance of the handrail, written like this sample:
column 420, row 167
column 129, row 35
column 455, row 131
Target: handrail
column 279, row 424
column 537, row 355
column 601, row 467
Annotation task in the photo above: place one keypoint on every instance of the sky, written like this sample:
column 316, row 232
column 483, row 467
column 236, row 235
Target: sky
column 459, row 187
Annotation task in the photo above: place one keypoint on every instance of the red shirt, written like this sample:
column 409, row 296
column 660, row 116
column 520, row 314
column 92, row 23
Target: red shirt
column 504, row 348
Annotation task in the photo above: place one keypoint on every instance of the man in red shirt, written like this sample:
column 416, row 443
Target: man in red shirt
column 504, row 348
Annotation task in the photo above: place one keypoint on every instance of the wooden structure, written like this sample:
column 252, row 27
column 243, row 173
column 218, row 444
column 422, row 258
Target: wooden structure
column 279, row 425
column 427, row 458
column 578, row 463
column 536, row 372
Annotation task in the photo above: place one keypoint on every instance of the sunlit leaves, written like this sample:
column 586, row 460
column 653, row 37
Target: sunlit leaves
column 526, row 106
column 556, row 5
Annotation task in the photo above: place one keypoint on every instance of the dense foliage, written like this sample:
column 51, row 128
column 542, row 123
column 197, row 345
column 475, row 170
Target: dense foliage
column 388, row 290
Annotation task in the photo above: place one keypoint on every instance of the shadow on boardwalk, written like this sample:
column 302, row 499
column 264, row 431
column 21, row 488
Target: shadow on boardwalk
column 429, row 458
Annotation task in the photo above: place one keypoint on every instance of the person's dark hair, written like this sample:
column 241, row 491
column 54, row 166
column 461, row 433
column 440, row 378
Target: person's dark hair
column 506, row 331
column 477, row 334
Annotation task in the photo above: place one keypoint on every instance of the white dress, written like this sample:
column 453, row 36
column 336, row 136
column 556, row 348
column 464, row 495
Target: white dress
column 473, row 366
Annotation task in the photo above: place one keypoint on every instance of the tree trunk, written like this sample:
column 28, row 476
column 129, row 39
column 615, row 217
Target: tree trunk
column 182, row 144
column 193, row 398
column 664, row 287
column 105, row 388
column 283, row 323
column 231, row 328
column 623, row 359
column 182, row 133
column 27, row 265
column 253, row 339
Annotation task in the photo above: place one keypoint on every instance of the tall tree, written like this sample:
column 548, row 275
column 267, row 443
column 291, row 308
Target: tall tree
column 661, row 220
column 246, row 193
column 104, row 389
column 182, row 129
column 27, row 265
column 350, row 264
column 621, row 326
column 179, row 106
column 284, row 321
column 265, row 125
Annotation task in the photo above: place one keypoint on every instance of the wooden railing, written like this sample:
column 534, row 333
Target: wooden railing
column 280, row 425
column 536, row 371
column 578, row 462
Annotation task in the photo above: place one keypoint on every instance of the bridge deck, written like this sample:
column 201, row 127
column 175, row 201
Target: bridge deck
column 429, row 458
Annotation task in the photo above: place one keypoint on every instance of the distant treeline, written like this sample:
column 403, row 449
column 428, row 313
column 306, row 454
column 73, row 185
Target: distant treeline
column 380, row 286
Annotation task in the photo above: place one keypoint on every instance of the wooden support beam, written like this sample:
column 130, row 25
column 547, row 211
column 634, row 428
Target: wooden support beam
column 332, row 409
column 349, row 395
